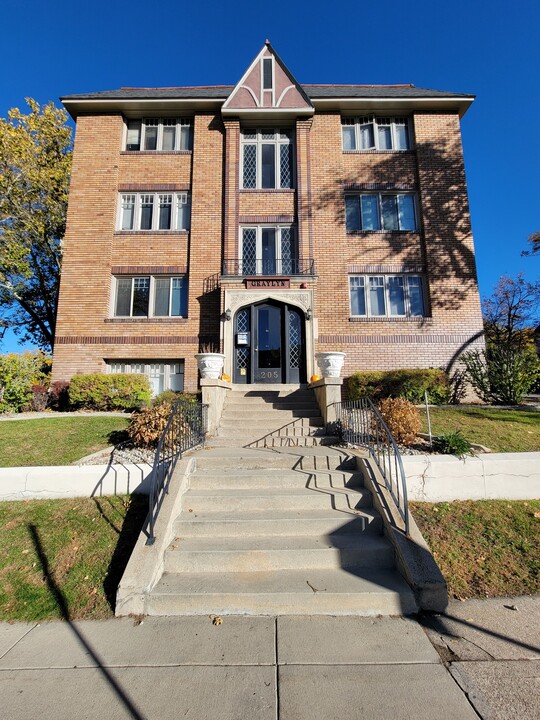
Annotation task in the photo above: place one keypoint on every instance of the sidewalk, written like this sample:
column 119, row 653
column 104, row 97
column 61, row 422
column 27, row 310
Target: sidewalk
column 291, row 668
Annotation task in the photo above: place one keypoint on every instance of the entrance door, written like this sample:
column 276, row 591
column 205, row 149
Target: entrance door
column 268, row 366
column 269, row 344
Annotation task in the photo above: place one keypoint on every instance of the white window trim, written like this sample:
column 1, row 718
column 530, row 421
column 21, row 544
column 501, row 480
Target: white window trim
column 258, row 141
column 179, row 123
column 357, row 122
column 147, row 364
column 178, row 198
column 379, row 196
column 258, row 245
column 406, row 295
column 151, row 299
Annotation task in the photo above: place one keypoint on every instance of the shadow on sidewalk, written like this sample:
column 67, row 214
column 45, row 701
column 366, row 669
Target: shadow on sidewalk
column 64, row 610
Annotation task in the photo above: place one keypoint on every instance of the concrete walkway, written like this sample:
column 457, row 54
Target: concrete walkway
column 291, row 668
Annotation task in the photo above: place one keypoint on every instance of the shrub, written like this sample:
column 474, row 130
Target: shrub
column 40, row 398
column 402, row 418
column 59, row 395
column 409, row 384
column 171, row 397
column 146, row 426
column 502, row 375
column 116, row 391
column 452, row 443
column 18, row 372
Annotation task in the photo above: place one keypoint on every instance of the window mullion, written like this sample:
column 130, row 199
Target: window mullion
column 131, row 297
column 170, row 296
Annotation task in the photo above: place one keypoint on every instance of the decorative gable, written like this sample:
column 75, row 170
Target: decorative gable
column 267, row 86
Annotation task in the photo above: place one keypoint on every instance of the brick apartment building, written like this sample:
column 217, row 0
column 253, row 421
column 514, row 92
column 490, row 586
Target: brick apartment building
column 271, row 218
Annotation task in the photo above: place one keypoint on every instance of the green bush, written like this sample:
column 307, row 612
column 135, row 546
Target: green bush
column 18, row 373
column 115, row 391
column 502, row 375
column 409, row 384
column 452, row 443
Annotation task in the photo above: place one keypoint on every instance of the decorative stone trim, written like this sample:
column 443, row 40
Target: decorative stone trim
column 393, row 339
column 148, row 269
column 153, row 187
column 127, row 340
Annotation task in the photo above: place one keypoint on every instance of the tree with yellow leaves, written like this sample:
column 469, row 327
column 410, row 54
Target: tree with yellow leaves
column 35, row 162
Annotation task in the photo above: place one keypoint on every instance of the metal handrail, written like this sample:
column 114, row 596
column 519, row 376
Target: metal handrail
column 268, row 267
column 359, row 422
column 185, row 429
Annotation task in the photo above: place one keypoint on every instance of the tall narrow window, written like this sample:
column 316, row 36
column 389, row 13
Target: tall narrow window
column 396, row 296
column 128, row 212
column 358, row 295
column 169, row 135
column 376, row 296
column 134, row 135
column 147, row 211
column 267, row 74
column 151, row 134
column 165, row 211
column 267, row 159
column 141, row 296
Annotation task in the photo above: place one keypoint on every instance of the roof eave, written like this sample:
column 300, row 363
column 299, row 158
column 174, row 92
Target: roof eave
column 396, row 104
column 78, row 106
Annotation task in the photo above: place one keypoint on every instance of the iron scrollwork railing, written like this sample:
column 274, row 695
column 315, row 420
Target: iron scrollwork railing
column 267, row 266
column 359, row 422
column 185, row 429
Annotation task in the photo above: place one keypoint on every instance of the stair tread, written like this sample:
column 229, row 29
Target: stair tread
column 273, row 492
column 299, row 582
column 268, row 543
column 339, row 516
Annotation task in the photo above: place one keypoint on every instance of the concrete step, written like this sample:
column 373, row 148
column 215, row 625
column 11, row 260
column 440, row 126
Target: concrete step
column 258, row 554
column 289, row 441
column 284, row 592
column 308, row 459
column 241, row 430
column 273, row 478
column 270, row 413
column 278, row 522
column 262, row 500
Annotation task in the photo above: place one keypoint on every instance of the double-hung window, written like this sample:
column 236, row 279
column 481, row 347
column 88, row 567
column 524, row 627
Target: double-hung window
column 380, row 211
column 267, row 159
column 150, row 296
column 268, row 250
column 154, row 211
column 163, row 374
column 375, row 133
column 162, row 134
column 386, row 296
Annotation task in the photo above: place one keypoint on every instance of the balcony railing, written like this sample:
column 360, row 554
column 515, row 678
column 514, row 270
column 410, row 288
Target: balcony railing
column 268, row 267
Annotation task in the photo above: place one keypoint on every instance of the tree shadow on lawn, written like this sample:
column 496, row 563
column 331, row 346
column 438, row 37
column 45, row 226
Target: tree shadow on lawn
column 128, row 534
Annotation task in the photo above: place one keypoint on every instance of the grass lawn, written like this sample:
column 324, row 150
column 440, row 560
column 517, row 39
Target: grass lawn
column 65, row 558
column 498, row 429
column 485, row 548
column 56, row 441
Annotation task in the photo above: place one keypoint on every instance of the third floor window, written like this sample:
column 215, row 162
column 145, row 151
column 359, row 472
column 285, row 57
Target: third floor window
column 267, row 159
column 154, row 211
column 375, row 133
column 163, row 134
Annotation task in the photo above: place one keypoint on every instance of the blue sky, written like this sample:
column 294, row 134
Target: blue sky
column 489, row 49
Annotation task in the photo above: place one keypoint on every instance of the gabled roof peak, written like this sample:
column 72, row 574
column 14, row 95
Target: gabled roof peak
column 267, row 86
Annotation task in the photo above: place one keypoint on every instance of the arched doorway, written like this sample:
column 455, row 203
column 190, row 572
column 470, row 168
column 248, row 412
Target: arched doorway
column 269, row 344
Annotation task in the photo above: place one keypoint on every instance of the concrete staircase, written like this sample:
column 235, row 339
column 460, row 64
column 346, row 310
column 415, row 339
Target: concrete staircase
column 284, row 528
column 271, row 416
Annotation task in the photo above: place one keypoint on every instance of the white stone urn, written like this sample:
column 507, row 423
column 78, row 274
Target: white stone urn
column 210, row 364
column 330, row 363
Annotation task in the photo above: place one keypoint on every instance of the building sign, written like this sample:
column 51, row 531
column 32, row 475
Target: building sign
column 266, row 282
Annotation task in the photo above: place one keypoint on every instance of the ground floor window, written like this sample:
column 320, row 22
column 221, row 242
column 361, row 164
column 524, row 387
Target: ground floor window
column 163, row 374
column 387, row 295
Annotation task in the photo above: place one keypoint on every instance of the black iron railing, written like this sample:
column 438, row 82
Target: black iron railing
column 185, row 429
column 359, row 422
column 268, row 267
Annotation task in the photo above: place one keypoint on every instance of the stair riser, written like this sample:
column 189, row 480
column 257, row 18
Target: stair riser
column 270, row 419
column 288, row 527
column 238, row 431
column 301, row 480
column 264, row 412
column 242, row 404
column 316, row 603
column 262, row 561
column 307, row 463
column 317, row 501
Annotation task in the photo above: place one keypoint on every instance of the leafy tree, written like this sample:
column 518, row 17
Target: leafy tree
column 510, row 312
column 509, row 367
column 35, row 162
column 534, row 239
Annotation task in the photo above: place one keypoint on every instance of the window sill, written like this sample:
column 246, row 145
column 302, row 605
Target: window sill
column 156, row 152
column 147, row 320
column 252, row 191
column 151, row 232
column 422, row 319
column 378, row 152
column 383, row 232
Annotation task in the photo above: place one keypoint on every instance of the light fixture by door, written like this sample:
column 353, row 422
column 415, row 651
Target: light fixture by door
column 227, row 315
column 308, row 314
